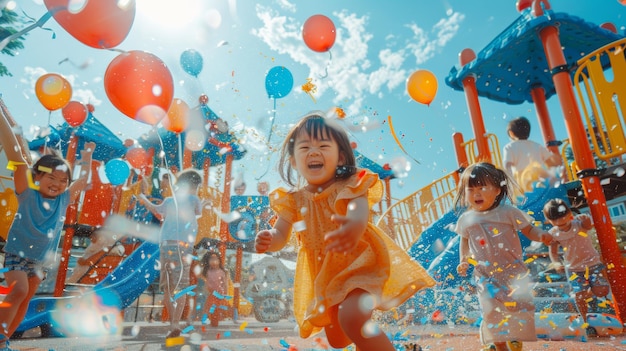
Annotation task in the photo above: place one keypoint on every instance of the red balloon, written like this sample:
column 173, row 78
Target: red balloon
column 90, row 108
column 101, row 24
column 74, row 113
column 140, row 85
column 138, row 157
column 319, row 33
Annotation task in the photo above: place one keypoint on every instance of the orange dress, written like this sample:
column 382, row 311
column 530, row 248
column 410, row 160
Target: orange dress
column 322, row 280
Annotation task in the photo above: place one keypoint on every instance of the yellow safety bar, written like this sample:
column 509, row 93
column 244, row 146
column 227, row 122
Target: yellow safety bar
column 602, row 96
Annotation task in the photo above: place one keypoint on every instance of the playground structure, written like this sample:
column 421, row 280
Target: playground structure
column 102, row 200
column 421, row 218
column 543, row 53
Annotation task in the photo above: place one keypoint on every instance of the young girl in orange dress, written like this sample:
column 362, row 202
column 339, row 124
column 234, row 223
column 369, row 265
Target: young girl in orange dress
column 346, row 266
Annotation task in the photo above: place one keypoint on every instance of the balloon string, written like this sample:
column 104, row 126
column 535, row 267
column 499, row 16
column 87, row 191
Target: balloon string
column 330, row 60
column 395, row 137
column 269, row 137
column 45, row 144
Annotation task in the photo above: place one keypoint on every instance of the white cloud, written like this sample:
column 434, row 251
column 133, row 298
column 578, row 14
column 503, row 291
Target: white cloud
column 286, row 5
column 423, row 47
column 86, row 96
column 349, row 70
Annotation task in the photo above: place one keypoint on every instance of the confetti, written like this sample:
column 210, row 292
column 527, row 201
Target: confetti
column 583, row 234
column 472, row 261
column 309, row 88
column 179, row 340
column 185, row 291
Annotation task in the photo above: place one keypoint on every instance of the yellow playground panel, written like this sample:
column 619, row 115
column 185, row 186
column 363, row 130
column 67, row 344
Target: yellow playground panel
column 602, row 98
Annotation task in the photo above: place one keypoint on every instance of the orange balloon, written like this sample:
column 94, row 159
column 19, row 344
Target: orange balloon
column 53, row 91
column 74, row 113
column 140, row 85
column 177, row 116
column 422, row 86
column 318, row 33
column 101, row 24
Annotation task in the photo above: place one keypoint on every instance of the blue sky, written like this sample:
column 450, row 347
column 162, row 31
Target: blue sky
column 379, row 44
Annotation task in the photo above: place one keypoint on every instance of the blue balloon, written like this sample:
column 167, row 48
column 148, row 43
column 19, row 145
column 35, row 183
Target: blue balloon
column 117, row 171
column 278, row 82
column 191, row 62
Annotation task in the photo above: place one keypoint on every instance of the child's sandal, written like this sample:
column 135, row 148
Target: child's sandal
column 514, row 345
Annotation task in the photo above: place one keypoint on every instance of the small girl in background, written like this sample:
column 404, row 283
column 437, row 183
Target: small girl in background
column 489, row 241
column 43, row 194
column 216, row 286
column 585, row 270
column 346, row 266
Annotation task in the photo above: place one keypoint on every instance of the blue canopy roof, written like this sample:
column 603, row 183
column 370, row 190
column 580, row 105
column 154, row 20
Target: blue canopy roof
column 216, row 153
column 514, row 62
column 108, row 144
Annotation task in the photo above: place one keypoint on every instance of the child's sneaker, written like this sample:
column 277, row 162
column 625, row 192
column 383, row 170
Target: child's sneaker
column 514, row 345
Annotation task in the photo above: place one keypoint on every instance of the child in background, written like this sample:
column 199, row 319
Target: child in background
column 101, row 244
column 583, row 266
column 346, row 266
column 526, row 161
column 489, row 241
column 178, row 235
column 43, row 194
column 216, row 286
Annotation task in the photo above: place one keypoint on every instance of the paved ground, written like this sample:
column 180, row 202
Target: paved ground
column 250, row 335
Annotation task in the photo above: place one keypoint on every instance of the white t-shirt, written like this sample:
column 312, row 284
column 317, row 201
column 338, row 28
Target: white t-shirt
column 519, row 154
column 578, row 250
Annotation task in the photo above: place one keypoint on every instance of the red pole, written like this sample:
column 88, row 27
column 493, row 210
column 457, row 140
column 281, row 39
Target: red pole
column 228, row 166
column 71, row 216
column 459, row 150
column 476, row 115
column 538, row 95
column 461, row 155
column 588, row 172
column 237, row 283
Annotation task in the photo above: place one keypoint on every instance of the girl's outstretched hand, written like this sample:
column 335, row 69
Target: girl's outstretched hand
column 462, row 268
column 346, row 236
column 263, row 241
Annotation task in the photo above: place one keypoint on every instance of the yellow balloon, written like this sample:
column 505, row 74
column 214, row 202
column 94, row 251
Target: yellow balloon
column 53, row 91
column 422, row 86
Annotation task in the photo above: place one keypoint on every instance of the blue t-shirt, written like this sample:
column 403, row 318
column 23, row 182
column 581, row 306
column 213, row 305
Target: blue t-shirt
column 180, row 221
column 36, row 228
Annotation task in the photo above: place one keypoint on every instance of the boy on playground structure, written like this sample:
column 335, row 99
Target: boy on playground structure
column 526, row 161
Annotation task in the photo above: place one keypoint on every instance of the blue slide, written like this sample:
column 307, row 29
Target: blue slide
column 119, row 289
column 437, row 250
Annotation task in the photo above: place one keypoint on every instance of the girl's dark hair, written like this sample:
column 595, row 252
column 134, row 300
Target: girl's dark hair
column 315, row 125
column 52, row 161
column 519, row 127
column 555, row 209
column 205, row 261
column 481, row 174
